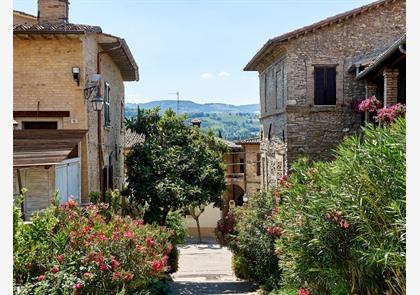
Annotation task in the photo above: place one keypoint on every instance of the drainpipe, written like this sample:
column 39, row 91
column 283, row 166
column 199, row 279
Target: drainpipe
column 100, row 152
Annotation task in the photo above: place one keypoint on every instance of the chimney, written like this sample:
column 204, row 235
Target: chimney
column 53, row 11
column 196, row 122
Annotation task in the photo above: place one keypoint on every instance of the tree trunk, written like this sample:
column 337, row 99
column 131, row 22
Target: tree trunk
column 197, row 221
column 165, row 214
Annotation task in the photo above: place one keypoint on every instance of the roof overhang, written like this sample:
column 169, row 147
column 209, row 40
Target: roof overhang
column 43, row 147
column 121, row 55
column 391, row 53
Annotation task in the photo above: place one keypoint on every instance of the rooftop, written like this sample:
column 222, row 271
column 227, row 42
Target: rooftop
column 272, row 43
column 252, row 140
column 132, row 138
column 120, row 54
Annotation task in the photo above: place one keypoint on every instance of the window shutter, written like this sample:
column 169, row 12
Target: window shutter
column 319, row 85
column 331, row 93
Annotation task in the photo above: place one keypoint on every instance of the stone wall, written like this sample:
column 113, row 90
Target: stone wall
column 311, row 130
column 252, row 179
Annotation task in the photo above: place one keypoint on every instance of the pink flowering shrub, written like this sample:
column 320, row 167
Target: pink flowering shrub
column 74, row 250
column 369, row 104
column 252, row 240
column 388, row 114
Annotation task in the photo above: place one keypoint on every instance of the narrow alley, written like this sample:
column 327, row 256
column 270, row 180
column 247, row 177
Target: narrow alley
column 206, row 269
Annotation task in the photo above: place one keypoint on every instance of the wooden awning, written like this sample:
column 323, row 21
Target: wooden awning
column 36, row 147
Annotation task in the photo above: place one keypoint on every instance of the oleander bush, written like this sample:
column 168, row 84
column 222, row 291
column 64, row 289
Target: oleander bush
column 343, row 222
column 74, row 250
column 252, row 241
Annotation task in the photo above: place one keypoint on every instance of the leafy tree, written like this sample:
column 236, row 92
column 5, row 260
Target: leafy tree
column 177, row 166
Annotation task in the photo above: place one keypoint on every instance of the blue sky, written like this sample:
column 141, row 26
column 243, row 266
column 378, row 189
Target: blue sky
column 198, row 48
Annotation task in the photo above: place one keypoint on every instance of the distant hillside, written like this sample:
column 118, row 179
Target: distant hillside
column 233, row 122
column 187, row 106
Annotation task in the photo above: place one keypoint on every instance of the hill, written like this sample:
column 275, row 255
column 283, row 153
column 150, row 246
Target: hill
column 187, row 106
column 233, row 122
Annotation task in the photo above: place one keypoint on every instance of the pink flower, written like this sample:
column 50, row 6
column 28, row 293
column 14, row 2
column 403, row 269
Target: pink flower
column 86, row 229
column 388, row 114
column 78, row 286
column 327, row 216
column 102, row 267
column 369, row 104
column 114, row 263
column 71, row 203
column 274, row 230
column 128, row 276
column 138, row 223
column 128, row 234
column 303, row 291
column 115, row 276
column 344, row 224
column 157, row 265
column 60, row 258
column 55, row 269
column 41, row 278
column 87, row 275
column 149, row 242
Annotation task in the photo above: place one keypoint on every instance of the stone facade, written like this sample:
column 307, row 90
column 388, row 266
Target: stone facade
column 43, row 81
column 292, row 125
column 252, row 165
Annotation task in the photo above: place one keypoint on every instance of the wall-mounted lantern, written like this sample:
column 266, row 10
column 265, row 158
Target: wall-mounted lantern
column 97, row 103
column 76, row 74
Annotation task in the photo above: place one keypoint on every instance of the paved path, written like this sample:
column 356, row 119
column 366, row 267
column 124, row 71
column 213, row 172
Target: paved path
column 206, row 269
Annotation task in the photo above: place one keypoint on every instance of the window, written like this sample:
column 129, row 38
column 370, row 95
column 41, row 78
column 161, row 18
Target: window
column 324, row 84
column 107, row 93
column 39, row 125
column 258, row 164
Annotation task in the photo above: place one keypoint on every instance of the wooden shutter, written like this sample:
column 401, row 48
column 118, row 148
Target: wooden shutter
column 330, row 87
column 319, row 85
column 325, row 85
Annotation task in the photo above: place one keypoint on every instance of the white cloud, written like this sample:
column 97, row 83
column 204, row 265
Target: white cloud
column 206, row 76
column 224, row 74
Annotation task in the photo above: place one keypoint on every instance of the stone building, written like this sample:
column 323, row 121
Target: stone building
column 62, row 71
column 306, row 88
column 250, row 161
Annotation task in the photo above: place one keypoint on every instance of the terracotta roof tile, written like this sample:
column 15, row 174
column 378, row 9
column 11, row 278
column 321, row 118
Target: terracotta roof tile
column 252, row 140
column 55, row 28
column 131, row 138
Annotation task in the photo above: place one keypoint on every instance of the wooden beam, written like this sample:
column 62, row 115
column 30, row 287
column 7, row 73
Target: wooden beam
column 45, row 114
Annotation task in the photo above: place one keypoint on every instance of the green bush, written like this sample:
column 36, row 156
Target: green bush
column 343, row 222
column 240, row 267
column 176, row 222
column 252, row 241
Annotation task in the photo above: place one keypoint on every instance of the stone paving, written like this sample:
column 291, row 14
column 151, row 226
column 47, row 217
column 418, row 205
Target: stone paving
column 206, row 269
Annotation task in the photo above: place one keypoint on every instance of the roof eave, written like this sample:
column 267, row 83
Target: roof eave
column 382, row 58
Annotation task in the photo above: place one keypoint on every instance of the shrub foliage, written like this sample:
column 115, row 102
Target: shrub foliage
column 339, row 225
column 73, row 250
